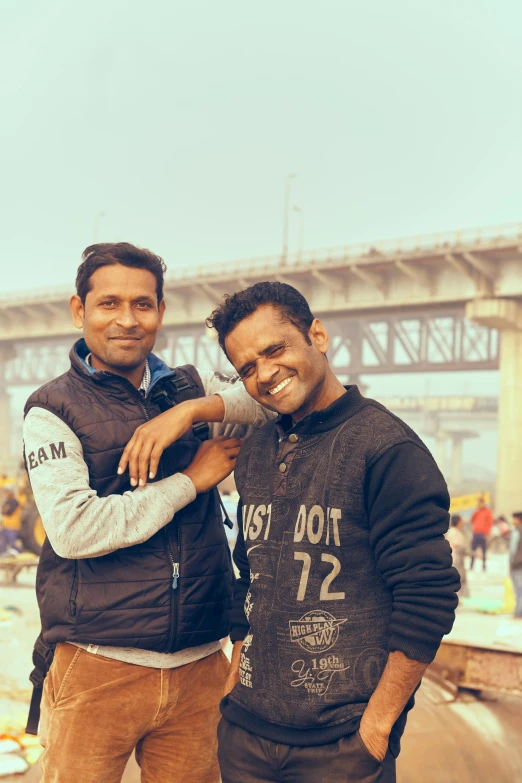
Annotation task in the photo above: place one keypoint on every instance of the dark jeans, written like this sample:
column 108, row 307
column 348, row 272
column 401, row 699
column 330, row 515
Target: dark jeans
column 479, row 541
column 247, row 758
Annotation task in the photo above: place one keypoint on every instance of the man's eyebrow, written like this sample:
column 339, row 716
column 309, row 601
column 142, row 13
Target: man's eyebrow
column 142, row 298
column 148, row 297
column 264, row 352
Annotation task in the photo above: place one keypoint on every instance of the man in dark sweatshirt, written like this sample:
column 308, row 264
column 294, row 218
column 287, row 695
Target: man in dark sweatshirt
column 346, row 586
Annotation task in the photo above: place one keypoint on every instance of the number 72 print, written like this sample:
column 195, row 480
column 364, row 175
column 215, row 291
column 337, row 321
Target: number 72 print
column 325, row 594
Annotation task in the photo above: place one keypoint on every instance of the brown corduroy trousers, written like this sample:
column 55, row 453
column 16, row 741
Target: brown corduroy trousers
column 96, row 711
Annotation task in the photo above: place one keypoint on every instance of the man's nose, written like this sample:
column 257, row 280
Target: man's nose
column 127, row 317
column 266, row 372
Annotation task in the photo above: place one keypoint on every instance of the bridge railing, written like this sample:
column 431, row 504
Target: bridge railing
column 362, row 253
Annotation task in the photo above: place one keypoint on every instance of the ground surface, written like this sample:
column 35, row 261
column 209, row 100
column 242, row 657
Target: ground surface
column 438, row 729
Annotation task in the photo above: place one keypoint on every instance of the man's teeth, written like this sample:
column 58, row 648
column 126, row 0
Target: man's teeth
column 281, row 386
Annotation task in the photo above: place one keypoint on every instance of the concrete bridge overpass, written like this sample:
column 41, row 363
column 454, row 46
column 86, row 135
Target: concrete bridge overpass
column 449, row 419
column 412, row 305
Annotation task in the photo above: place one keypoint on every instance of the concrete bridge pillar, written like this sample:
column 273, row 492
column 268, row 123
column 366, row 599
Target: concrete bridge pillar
column 440, row 450
column 457, row 439
column 506, row 315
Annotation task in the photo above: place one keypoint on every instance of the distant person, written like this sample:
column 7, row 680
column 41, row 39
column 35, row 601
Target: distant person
column 458, row 543
column 503, row 527
column 481, row 522
column 515, row 562
column 11, row 524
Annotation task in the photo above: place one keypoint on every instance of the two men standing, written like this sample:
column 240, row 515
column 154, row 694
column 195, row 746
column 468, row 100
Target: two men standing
column 346, row 585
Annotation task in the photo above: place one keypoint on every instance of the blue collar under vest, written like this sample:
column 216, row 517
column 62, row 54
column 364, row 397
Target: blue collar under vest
column 79, row 352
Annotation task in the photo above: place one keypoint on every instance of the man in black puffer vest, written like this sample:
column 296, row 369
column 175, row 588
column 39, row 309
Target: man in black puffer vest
column 134, row 582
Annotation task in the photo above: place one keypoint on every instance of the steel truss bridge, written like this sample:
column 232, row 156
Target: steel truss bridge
column 392, row 306
column 416, row 342
column 449, row 301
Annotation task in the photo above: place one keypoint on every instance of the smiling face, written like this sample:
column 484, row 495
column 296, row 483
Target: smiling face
column 120, row 318
column 279, row 368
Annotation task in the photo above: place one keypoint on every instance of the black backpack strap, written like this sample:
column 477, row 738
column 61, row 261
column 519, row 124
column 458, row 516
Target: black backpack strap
column 187, row 378
column 226, row 521
column 42, row 658
column 185, row 385
column 187, row 382
column 190, row 379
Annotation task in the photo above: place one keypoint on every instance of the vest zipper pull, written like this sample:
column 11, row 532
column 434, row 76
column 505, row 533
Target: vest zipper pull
column 175, row 575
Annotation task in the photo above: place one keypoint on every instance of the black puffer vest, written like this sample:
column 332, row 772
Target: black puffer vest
column 127, row 598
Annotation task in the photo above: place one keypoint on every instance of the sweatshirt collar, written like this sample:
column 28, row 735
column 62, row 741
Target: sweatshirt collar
column 346, row 406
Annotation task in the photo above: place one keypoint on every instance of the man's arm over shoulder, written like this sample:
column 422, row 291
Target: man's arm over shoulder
column 78, row 523
column 226, row 406
column 407, row 504
column 241, row 411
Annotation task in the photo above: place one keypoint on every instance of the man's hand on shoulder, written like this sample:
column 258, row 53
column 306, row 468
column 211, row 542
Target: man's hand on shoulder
column 143, row 452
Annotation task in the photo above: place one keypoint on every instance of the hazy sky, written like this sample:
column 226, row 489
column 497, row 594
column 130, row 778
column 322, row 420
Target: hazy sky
column 180, row 121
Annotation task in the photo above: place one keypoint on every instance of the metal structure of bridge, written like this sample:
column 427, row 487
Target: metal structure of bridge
column 418, row 342
column 445, row 302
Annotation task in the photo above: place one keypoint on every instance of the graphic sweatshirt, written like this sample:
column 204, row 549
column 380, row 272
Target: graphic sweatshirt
column 342, row 559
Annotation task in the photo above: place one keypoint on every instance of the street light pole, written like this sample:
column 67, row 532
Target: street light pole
column 301, row 229
column 286, row 209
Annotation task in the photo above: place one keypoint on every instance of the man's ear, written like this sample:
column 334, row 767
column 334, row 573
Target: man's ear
column 77, row 311
column 161, row 310
column 319, row 336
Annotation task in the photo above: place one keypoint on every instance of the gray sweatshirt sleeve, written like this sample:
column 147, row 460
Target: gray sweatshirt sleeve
column 242, row 413
column 78, row 523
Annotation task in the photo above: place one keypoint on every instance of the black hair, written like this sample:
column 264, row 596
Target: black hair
column 455, row 519
column 236, row 307
column 518, row 515
column 110, row 253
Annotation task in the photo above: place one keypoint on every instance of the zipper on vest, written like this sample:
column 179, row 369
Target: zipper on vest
column 174, row 603
column 175, row 566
